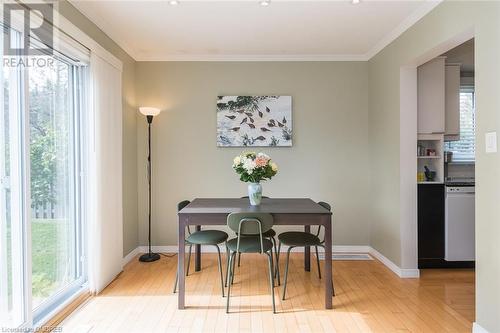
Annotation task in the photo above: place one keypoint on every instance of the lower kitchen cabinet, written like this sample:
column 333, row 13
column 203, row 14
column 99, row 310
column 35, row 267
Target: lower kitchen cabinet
column 430, row 223
column 431, row 232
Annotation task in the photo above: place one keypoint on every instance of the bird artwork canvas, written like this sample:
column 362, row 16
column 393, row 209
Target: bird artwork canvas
column 254, row 121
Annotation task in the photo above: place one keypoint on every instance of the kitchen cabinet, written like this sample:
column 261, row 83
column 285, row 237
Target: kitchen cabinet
column 432, row 230
column 430, row 223
column 452, row 102
column 431, row 97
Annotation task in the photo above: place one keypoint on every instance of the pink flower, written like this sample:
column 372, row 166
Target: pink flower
column 261, row 161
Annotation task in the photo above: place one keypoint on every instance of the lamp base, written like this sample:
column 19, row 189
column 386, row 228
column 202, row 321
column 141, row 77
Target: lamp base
column 149, row 257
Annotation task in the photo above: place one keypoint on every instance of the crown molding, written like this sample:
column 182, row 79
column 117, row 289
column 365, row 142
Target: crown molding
column 409, row 21
column 243, row 57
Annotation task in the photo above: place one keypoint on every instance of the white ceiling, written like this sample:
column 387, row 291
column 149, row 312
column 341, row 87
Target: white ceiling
column 245, row 30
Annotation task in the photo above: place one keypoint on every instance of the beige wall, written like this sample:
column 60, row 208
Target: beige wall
column 328, row 160
column 130, row 227
column 444, row 23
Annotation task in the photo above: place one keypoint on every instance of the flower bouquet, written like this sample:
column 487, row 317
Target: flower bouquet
column 254, row 168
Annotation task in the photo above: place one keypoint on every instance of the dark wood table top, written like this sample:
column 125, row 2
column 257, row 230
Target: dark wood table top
column 272, row 205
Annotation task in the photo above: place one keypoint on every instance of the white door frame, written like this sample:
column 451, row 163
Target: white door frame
column 407, row 148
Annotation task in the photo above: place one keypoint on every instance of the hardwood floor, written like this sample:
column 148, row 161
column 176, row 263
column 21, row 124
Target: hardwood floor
column 369, row 298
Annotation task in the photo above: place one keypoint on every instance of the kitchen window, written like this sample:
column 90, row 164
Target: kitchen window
column 464, row 149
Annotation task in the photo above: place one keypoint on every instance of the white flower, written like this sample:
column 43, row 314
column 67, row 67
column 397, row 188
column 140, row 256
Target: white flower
column 236, row 161
column 274, row 167
column 248, row 165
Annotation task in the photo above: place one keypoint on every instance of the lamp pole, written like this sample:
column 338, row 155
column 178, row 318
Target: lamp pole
column 150, row 256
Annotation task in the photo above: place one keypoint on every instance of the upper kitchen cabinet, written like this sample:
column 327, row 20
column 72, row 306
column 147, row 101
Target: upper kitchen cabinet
column 452, row 102
column 431, row 97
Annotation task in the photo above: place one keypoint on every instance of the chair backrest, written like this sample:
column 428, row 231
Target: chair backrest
column 326, row 206
column 250, row 224
column 182, row 204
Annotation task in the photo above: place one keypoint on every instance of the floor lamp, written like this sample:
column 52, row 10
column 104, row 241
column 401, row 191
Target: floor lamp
column 149, row 112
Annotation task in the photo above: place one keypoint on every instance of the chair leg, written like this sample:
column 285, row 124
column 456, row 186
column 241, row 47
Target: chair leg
column 277, row 272
column 239, row 258
column 176, row 280
column 228, row 254
column 277, row 267
column 231, row 280
column 286, row 271
column 271, row 278
column 231, row 261
column 220, row 270
column 272, row 262
column 189, row 260
column 317, row 262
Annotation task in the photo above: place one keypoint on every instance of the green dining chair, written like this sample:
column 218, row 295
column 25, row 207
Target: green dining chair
column 202, row 237
column 294, row 239
column 250, row 229
column 270, row 234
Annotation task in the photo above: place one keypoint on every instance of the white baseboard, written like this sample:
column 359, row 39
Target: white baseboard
column 476, row 328
column 410, row 273
column 402, row 273
column 211, row 249
column 131, row 255
column 351, row 249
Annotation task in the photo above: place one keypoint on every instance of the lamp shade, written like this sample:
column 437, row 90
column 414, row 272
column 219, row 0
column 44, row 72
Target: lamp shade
column 149, row 111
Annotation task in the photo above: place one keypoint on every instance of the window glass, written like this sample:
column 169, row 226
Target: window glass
column 464, row 149
column 12, row 227
column 53, row 180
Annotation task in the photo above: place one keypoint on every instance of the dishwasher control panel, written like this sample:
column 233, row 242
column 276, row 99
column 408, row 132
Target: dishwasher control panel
column 460, row 189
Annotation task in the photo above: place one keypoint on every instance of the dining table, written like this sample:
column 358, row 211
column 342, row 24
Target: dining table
column 289, row 211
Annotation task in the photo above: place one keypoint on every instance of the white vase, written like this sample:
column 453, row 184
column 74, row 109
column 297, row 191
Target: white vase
column 255, row 193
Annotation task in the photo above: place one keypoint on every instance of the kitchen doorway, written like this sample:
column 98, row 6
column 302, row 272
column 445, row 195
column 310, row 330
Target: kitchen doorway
column 446, row 159
column 409, row 161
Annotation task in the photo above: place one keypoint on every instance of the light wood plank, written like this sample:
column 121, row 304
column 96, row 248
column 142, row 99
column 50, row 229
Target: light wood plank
column 370, row 298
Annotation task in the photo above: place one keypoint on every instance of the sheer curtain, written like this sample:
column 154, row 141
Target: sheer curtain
column 105, row 174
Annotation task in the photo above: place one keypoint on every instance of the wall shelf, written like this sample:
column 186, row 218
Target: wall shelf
column 434, row 162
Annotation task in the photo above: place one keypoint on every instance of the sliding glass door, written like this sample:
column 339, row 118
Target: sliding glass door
column 56, row 247
column 13, row 231
column 42, row 253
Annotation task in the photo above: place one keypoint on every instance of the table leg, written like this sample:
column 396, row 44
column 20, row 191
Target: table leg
column 307, row 252
column 180, row 263
column 327, row 222
column 197, row 254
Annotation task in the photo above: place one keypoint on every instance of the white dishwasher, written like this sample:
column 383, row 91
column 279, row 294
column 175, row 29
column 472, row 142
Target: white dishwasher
column 460, row 223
